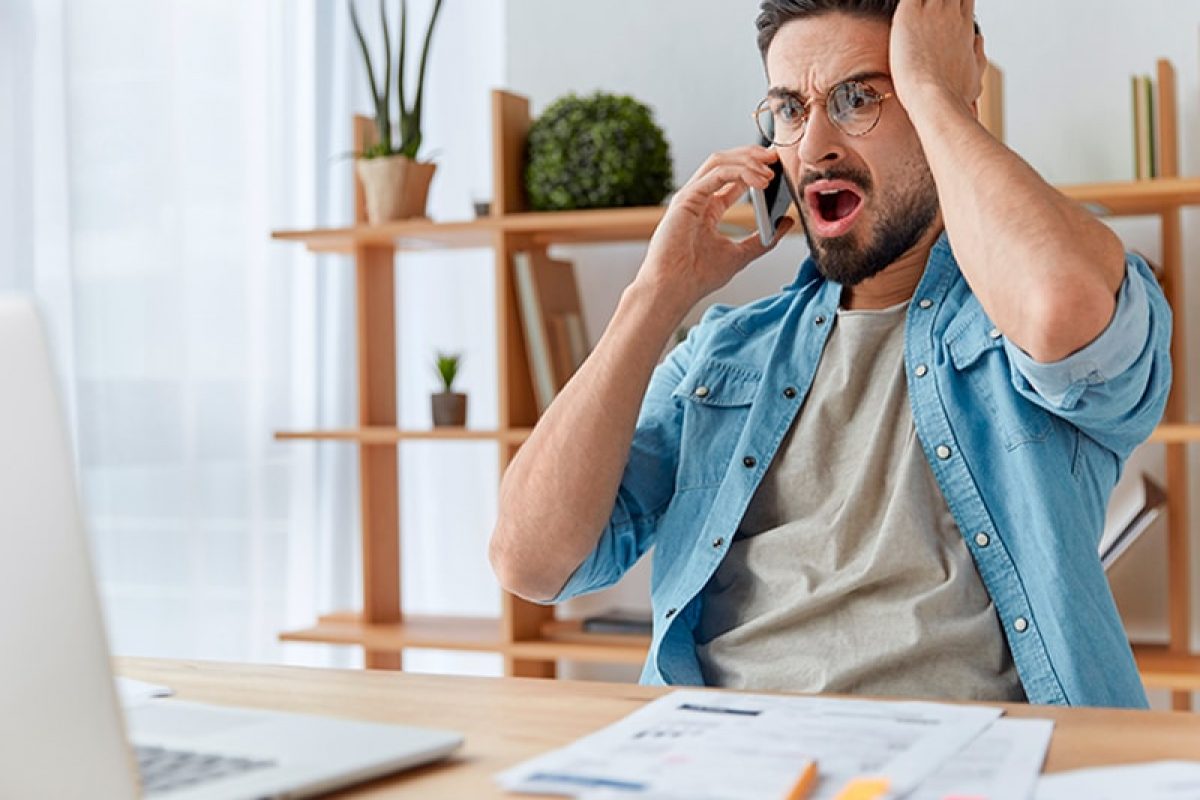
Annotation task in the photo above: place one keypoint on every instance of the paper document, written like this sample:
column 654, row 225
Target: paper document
column 1002, row 763
column 1161, row 780
column 704, row 745
column 134, row 692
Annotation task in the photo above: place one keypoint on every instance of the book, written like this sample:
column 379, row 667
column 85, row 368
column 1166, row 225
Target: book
column 619, row 620
column 536, row 347
column 991, row 101
column 1120, row 533
column 552, row 320
column 1143, row 130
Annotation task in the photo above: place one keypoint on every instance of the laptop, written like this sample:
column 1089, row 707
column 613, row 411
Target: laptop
column 64, row 733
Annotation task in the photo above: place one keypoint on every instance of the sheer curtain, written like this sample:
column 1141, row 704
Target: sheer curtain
column 195, row 336
column 147, row 151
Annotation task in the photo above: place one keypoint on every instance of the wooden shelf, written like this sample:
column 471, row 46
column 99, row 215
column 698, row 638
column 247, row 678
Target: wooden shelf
column 562, row 640
column 1162, row 669
column 1176, row 433
column 542, row 227
column 1133, row 198
column 385, row 436
column 407, row 235
column 637, row 224
column 479, row 634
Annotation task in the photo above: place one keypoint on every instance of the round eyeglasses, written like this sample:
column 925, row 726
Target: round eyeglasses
column 853, row 106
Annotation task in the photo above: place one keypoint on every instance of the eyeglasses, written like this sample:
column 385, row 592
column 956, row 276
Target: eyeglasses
column 853, row 106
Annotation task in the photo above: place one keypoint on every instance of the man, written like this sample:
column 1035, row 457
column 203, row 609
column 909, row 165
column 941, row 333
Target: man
column 891, row 477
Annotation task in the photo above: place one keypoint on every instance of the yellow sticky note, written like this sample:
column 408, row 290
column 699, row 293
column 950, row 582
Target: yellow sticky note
column 864, row 789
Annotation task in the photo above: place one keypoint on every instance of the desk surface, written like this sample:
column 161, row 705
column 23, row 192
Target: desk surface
column 507, row 720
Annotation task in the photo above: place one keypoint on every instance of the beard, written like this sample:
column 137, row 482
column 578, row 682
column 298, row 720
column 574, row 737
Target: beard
column 901, row 220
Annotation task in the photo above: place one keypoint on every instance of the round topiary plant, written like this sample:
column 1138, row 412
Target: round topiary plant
column 596, row 152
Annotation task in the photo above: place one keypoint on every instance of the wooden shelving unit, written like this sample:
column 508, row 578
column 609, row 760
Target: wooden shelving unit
column 528, row 635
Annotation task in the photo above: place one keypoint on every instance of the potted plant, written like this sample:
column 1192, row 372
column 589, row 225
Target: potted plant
column 449, row 406
column 395, row 183
column 601, row 151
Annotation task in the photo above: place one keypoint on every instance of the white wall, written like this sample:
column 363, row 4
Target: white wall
column 1066, row 65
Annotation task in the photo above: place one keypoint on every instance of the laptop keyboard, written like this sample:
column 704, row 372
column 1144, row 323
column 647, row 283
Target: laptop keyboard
column 164, row 770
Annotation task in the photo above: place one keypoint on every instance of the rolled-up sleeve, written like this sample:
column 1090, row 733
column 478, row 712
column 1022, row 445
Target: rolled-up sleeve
column 647, row 484
column 1115, row 388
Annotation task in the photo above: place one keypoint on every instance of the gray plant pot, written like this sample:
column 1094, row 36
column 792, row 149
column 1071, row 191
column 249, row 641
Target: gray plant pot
column 449, row 410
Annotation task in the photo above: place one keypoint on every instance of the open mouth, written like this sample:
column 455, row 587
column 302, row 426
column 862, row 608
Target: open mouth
column 833, row 206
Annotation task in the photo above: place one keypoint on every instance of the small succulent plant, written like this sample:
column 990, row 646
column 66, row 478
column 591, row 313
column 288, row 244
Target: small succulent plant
column 446, row 367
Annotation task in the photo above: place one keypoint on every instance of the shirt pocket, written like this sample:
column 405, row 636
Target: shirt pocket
column 716, row 397
column 977, row 353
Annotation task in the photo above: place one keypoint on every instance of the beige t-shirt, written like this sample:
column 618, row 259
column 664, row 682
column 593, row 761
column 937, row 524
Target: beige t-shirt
column 848, row 573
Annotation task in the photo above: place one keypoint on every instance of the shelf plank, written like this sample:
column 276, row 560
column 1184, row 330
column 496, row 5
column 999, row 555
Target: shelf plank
column 381, row 435
column 478, row 634
column 423, row 234
column 1133, row 198
column 474, row 634
column 543, row 227
column 1176, row 433
column 1118, row 198
column 1162, row 669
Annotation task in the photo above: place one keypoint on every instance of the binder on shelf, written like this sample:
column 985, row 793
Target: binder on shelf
column 552, row 321
column 1120, row 536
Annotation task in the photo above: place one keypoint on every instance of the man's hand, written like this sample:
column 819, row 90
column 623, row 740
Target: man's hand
column 688, row 257
column 934, row 48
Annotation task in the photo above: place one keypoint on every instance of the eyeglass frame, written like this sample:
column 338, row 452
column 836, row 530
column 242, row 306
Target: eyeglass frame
column 807, row 104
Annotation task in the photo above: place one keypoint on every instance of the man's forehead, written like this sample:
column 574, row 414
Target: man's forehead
column 809, row 56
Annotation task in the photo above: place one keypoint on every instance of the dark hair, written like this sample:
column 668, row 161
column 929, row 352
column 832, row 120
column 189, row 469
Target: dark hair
column 774, row 14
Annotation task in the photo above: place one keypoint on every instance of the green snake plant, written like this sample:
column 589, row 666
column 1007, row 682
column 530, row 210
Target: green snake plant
column 410, row 116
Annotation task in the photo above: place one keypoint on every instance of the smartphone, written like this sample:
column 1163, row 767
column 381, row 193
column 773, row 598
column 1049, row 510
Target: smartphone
column 771, row 204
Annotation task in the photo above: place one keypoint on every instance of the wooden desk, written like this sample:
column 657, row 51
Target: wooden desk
column 507, row 720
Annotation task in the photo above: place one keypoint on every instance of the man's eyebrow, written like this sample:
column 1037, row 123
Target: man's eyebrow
column 866, row 75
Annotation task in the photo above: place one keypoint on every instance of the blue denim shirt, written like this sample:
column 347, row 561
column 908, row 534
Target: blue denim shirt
column 1026, row 455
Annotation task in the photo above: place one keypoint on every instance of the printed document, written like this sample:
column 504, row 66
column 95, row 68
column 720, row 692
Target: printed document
column 1161, row 780
column 706, row 745
column 1002, row 763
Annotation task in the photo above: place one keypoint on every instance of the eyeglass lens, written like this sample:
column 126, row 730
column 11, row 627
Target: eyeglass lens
column 853, row 106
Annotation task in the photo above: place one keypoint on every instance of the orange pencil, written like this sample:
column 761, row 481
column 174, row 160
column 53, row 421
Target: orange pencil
column 805, row 783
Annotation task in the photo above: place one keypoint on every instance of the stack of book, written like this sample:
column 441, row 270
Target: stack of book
column 1154, row 109
column 552, row 318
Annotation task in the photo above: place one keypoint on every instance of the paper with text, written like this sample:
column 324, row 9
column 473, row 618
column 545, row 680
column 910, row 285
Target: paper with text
column 1002, row 763
column 1160, row 780
column 705, row 745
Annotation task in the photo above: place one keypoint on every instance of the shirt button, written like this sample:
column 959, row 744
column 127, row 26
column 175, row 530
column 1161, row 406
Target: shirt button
column 982, row 539
column 701, row 391
column 921, row 370
column 789, row 393
column 943, row 452
column 717, row 542
column 995, row 333
column 750, row 462
column 1021, row 624
column 670, row 613
column 925, row 303
column 820, row 320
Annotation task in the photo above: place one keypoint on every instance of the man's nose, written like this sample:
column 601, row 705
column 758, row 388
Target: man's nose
column 822, row 140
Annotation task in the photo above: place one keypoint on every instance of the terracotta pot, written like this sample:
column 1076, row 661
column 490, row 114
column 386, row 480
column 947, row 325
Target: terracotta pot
column 395, row 187
column 449, row 410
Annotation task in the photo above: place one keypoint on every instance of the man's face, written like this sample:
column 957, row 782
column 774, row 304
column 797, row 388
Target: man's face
column 864, row 200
